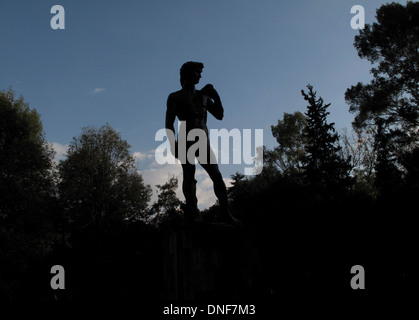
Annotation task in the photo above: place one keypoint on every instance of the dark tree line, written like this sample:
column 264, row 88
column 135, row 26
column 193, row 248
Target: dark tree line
column 390, row 102
column 323, row 202
column 27, row 192
column 78, row 212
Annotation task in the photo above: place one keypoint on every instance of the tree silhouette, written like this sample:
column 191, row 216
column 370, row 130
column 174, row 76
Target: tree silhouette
column 324, row 167
column 29, row 224
column 358, row 150
column 390, row 102
column 167, row 201
column 238, row 179
column 99, row 181
column 291, row 141
column 26, row 158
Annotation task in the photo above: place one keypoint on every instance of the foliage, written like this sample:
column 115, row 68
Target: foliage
column 167, row 199
column 166, row 210
column 99, row 182
column 26, row 158
column 358, row 150
column 323, row 165
column 288, row 155
column 29, row 222
column 392, row 44
column 390, row 102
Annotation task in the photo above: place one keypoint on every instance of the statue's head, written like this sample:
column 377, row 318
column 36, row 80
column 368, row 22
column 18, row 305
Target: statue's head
column 191, row 71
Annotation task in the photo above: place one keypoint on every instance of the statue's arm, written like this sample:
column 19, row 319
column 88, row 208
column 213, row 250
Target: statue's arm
column 170, row 120
column 214, row 105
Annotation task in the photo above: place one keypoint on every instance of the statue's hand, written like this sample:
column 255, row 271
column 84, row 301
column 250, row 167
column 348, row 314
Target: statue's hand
column 209, row 91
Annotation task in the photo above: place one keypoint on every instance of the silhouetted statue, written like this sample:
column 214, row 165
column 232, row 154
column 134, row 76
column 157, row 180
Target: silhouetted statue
column 190, row 106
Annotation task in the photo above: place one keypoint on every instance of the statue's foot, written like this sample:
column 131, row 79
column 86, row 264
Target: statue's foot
column 191, row 214
column 226, row 217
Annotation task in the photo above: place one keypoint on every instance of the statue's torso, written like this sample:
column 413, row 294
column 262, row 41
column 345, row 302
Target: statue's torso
column 190, row 107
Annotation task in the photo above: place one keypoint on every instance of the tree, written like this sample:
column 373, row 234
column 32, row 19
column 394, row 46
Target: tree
column 359, row 151
column 25, row 157
column 236, row 185
column 167, row 201
column 390, row 101
column 99, row 181
column 165, row 212
column 323, row 165
column 291, row 141
column 388, row 175
column 29, row 221
column 410, row 162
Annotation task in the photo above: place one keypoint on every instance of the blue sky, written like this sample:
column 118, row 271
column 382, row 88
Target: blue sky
column 117, row 61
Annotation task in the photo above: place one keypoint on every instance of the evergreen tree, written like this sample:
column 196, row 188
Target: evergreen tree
column 323, row 165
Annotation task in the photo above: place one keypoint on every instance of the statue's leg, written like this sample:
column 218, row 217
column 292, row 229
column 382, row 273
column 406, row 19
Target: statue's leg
column 220, row 190
column 189, row 187
column 209, row 163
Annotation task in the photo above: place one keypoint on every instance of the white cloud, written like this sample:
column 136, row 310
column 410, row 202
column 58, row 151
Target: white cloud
column 60, row 151
column 205, row 188
column 160, row 175
column 140, row 156
column 98, row 90
column 155, row 174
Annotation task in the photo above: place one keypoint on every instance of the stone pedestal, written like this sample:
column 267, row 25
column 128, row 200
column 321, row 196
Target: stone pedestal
column 204, row 261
